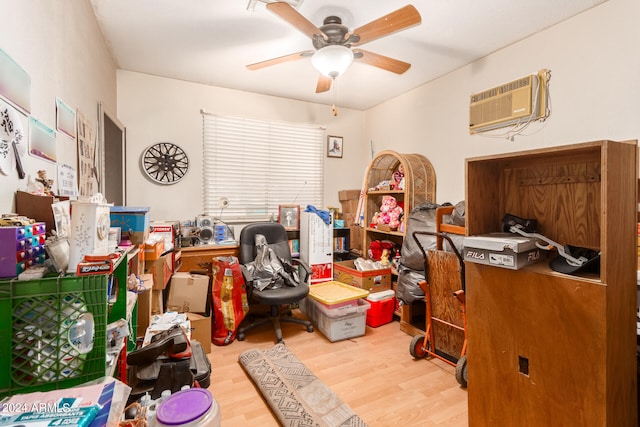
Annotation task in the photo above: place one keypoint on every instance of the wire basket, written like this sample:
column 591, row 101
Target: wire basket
column 53, row 333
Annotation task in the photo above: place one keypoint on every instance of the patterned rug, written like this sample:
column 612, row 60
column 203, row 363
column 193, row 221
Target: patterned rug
column 294, row 393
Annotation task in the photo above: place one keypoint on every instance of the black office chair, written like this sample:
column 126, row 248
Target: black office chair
column 276, row 237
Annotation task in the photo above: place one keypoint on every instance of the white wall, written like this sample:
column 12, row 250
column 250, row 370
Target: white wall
column 595, row 86
column 157, row 109
column 59, row 44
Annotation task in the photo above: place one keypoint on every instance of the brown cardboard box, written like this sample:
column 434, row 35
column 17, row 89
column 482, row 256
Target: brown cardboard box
column 161, row 271
column 356, row 237
column 373, row 281
column 349, row 206
column 144, row 304
column 157, row 307
column 201, row 330
column 188, row 292
column 348, row 195
column 153, row 251
column 138, row 237
column 349, row 218
column 37, row 207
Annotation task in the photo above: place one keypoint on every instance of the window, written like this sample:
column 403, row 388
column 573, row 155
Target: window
column 258, row 165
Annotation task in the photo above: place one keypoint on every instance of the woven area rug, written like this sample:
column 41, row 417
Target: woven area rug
column 294, row 393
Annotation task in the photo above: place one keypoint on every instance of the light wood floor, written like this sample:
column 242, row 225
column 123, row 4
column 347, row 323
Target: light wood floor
column 374, row 374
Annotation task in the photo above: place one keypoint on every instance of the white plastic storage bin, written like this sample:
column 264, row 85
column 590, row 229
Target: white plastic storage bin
column 337, row 323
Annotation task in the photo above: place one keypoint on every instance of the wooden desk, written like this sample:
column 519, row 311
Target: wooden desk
column 199, row 257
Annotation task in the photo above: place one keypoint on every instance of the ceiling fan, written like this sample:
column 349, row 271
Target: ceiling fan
column 333, row 42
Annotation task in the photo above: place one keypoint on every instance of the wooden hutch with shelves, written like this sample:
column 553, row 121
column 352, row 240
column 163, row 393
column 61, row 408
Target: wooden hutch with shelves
column 546, row 348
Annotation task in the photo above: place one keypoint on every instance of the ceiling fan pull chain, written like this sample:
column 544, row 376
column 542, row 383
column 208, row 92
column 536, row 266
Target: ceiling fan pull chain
column 334, row 87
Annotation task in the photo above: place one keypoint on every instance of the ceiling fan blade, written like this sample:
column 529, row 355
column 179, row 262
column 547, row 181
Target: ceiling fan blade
column 292, row 16
column 324, row 83
column 280, row 60
column 381, row 61
column 402, row 18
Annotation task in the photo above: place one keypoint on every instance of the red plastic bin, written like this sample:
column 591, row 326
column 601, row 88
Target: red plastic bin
column 381, row 312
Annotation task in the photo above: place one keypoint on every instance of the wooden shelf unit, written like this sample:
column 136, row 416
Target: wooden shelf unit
column 546, row 348
column 419, row 187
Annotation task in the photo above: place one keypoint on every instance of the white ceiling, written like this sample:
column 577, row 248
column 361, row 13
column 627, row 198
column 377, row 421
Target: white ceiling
column 211, row 41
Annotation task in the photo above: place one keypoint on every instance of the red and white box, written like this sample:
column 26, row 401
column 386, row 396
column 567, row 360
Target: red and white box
column 316, row 246
column 382, row 306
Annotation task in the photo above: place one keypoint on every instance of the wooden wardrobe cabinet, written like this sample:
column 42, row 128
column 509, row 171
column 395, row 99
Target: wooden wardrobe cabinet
column 546, row 348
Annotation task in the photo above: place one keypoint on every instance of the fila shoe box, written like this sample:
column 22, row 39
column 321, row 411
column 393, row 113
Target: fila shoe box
column 504, row 250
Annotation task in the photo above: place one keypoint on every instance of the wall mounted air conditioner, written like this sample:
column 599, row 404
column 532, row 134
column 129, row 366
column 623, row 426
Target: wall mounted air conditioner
column 517, row 102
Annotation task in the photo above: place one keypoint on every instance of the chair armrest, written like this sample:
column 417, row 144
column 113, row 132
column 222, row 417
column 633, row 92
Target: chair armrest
column 305, row 267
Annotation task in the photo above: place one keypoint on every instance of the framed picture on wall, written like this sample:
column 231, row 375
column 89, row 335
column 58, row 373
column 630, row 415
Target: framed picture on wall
column 289, row 216
column 334, row 146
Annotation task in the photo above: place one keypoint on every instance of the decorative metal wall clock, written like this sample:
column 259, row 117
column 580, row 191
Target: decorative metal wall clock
column 165, row 163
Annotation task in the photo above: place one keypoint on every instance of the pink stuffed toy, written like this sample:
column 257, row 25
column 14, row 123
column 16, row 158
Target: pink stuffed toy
column 394, row 217
column 389, row 213
column 388, row 203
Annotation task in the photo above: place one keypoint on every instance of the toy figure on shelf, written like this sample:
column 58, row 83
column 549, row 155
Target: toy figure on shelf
column 398, row 178
column 46, row 183
column 384, row 258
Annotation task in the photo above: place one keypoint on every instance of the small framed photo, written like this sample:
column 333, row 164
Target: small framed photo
column 289, row 216
column 334, row 146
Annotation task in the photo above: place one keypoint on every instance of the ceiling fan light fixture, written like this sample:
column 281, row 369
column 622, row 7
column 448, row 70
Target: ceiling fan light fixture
column 332, row 60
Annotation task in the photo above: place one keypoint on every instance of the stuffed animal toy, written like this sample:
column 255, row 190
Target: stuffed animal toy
column 378, row 247
column 389, row 214
column 394, row 217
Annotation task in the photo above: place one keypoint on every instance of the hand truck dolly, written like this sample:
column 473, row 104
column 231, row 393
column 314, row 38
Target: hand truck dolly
column 425, row 345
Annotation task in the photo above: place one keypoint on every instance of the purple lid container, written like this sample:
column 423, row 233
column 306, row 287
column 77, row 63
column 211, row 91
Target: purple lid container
column 184, row 406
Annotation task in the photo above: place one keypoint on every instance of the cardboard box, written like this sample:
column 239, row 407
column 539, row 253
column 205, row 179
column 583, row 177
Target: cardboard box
column 170, row 231
column 157, row 306
column 349, row 218
column 372, row 281
column 37, row 207
column 161, row 271
column 153, row 251
column 505, row 250
column 133, row 221
column 201, row 330
column 348, row 195
column 349, row 206
column 138, row 237
column 188, row 293
column 356, row 237
column 144, row 304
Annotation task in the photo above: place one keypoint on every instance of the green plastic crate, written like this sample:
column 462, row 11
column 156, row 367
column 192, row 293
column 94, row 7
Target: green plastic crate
column 39, row 321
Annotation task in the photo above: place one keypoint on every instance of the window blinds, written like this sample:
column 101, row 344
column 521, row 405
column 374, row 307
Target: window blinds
column 258, row 165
